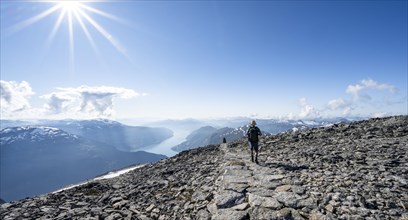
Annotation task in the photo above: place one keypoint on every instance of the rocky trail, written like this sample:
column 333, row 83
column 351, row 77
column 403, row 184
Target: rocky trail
column 345, row 171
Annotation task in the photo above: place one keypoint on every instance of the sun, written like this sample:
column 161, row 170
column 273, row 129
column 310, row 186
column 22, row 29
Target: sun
column 70, row 5
column 79, row 13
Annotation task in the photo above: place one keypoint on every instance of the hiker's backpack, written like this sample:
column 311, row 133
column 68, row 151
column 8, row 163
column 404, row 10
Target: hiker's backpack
column 253, row 134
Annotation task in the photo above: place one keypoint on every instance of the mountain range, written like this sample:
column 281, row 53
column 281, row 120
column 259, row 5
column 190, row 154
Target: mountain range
column 44, row 155
column 123, row 137
column 37, row 159
column 209, row 135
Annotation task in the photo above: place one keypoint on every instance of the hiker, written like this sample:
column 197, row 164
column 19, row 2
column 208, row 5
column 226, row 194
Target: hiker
column 252, row 134
column 224, row 140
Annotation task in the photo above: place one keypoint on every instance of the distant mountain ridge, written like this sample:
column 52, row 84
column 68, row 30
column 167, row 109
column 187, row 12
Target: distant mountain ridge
column 43, row 155
column 209, row 135
column 39, row 159
column 33, row 134
column 123, row 137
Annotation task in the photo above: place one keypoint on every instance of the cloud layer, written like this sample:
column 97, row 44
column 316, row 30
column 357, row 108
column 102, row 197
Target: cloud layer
column 96, row 101
column 307, row 110
column 368, row 98
column 14, row 96
column 82, row 101
column 365, row 98
column 357, row 90
column 361, row 97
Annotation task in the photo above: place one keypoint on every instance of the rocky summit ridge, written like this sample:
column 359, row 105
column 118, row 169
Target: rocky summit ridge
column 345, row 171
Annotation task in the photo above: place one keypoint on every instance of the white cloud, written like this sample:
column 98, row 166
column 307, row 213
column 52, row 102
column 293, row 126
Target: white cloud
column 379, row 114
column 368, row 96
column 58, row 102
column 78, row 102
column 14, row 96
column 339, row 103
column 365, row 84
column 87, row 100
column 307, row 110
column 347, row 110
column 369, row 83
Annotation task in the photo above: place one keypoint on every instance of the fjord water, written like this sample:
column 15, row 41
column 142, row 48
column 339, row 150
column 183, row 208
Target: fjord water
column 165, row 147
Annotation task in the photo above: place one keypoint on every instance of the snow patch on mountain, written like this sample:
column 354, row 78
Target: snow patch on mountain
column 109, row 175
column 33, row 134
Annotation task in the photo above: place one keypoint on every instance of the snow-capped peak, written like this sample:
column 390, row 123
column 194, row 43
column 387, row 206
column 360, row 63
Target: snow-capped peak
column 33, row 134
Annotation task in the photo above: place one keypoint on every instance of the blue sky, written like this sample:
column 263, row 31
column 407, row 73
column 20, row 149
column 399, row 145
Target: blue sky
column 180, row 59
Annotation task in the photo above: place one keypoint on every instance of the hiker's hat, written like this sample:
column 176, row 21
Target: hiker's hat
column 253, row 122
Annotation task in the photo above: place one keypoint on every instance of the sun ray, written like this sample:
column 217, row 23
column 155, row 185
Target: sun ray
column 99, row 12
column 71, row 41
column 55, row 28
column 74, row 11
column 106, row 34
column 20, row 26
column 86, row 31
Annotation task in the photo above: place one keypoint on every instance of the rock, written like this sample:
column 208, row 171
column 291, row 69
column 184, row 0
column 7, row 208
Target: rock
column 241, row 207
column 316, row 215
column 308, row 203
column 285, row 213
column 212, row 208
column 150, row 208
column 300, row 190
column 228, row 199
column 289, row 199
column 267, row 202
column 199, row 195
column 80, row 204
column 119, row 205
column 283, row 188
column 6, row 205
column 230, row 215
column 114, row 216
column 350, row 198
column 329, row 208
column 115, row 199
column 203, row 214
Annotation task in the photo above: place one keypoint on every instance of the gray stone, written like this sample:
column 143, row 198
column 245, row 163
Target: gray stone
column 300, row 190
column 241, row 207
column 289, row 199
column 316, row 215
column 114, row 216
column 80, row 204
column 119, row 205
column 237, row 187
column 199, row 195
column 6, row 205
column 230, row 214
column 285, row 213
column 48, row 210
column 283, row 188
column 212, row 208
column 236, row 179
column 228, row 199
column 267, row 202
column 268, row 178
column 150, row 208
column 203, row 214
column 308, row 203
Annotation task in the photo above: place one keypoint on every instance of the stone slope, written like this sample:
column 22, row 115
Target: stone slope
column 346, row 171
